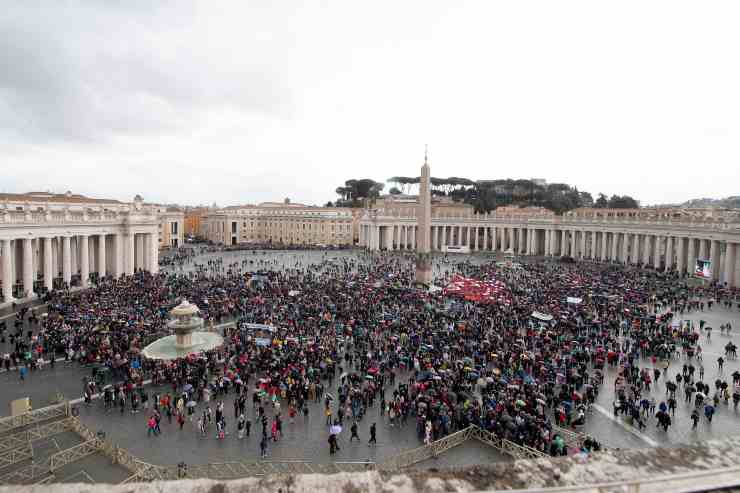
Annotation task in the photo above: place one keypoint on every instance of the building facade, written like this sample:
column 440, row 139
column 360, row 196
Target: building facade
column 279, row 223
column 171, row 226
column 193, row 221
column 50, row 241
column 666, row 240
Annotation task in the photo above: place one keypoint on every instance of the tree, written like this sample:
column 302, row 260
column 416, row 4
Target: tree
column 329, row 204
column 623, row 202
column 394, row 191
column 602, row 202
column 585, row 199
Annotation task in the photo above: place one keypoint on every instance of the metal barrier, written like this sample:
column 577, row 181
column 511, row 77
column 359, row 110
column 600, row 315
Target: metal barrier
column 16, row 455
column 572, row 438
column 47, row 413
column 413, row 456
column 73, row 454
column 506, row 446
column 37, row 433
column 26, row 474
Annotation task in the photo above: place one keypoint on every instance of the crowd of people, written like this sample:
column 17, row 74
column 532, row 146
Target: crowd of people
column 353, row 333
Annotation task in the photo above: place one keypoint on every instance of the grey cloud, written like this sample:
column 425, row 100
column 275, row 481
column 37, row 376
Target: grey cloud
column 101, row 73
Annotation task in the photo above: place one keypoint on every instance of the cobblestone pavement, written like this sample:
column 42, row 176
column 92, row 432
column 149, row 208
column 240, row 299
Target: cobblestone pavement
column 306, row 440
column 726, row 421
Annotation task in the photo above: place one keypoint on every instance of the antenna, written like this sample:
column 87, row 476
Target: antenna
column 426, row 149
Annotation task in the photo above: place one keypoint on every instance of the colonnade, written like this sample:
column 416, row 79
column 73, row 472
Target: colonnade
column 667, row 250
column 36, row 263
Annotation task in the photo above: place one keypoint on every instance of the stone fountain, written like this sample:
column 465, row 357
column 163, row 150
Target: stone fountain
column 188, row 338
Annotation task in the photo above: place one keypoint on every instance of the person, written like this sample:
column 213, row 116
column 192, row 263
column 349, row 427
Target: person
column 373, row 439
column 353, row 429
column 333, row 444
column 695, row 418
column 181, row 420
column 240, row 425
column 720, row 363
column 263, row 446
column 151, row 423
column 709, row 412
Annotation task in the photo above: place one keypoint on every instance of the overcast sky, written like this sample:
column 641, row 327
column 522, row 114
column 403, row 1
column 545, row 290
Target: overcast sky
column 246, row 101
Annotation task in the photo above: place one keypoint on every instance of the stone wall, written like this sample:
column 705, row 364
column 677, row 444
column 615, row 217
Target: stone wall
column 701, row 467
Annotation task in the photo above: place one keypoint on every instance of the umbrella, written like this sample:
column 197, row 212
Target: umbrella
column 343, row 375
column 191, row 404
column 335, row 429
column 187, row 387
column 369, row 377
column 227, row 379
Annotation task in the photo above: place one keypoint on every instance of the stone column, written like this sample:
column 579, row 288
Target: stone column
column 101, row 256
column 129, row 249
column 603, row 252
column 730, row 257
column 668, row 253
column 547, row 242
column 702, row 250
column 414, row 232
column 573, row 245
column 582, row 253
column 117, row 255
column 614, row 246
column 714, row 255
column 154, row 253
column 635, row 249
column 7, row 271
column 84, row 260
column 680, row 254
column 485, row 238
column 139, row 251
column 657, row 250
column 28, row 267
column 626, row 237
column 691, row 257
column 563, row 242
column 48, row 269
column 67, row 259
column 147, row 252
column 530, row 241
column 644, row 255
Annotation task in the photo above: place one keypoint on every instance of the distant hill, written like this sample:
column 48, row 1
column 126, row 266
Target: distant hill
column 729, row 202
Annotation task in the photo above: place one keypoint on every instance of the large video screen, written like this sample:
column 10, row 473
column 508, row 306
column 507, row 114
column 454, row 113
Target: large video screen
column 703, row 268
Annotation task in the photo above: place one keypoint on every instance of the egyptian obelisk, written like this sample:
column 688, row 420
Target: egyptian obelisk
column 424, row 222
